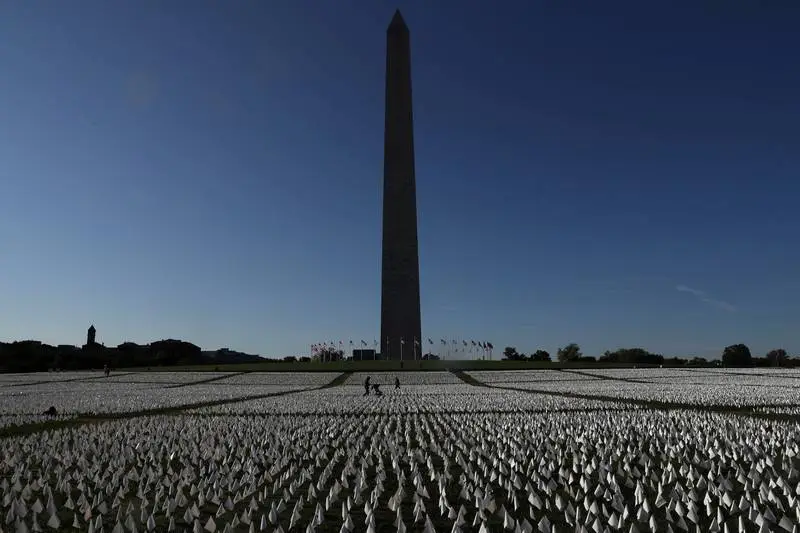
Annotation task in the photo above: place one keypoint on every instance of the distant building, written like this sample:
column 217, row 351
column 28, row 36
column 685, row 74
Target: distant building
column 90, row 335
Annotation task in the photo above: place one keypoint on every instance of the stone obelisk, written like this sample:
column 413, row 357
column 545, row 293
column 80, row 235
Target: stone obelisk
column 400, row 308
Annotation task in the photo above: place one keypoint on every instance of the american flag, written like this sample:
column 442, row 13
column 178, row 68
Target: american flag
column 363, row 343
column 402, row 341
column 443, row 341
column 430, row 341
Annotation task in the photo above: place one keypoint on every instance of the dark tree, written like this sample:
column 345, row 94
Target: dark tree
column 540, row 355
column 511, row 354
column 174, row 352
column 777, row 357
column 737, row 355
column 570, row 352
column 632, row 355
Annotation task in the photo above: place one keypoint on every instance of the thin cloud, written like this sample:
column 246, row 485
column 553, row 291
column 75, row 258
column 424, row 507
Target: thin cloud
column 703, row 297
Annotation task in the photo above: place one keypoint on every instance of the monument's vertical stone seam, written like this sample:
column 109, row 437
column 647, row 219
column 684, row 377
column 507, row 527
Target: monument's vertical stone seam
column 400, row 299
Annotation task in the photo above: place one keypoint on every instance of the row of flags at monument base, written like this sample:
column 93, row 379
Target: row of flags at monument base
column 463, row 345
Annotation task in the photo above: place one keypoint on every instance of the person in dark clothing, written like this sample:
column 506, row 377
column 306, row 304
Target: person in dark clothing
column 396, row 383
column 377, row 389
column 366, row 386
column 51, row 411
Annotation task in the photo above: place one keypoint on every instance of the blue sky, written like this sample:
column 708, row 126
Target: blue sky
column 611, row 174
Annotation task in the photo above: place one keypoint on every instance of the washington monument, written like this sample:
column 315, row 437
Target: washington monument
column 400, row 309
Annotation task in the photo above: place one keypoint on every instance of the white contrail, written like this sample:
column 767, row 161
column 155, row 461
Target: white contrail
column 721, row 304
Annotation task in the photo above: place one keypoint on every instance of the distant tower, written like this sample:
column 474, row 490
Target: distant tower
column 400, row 308
column 90, row 335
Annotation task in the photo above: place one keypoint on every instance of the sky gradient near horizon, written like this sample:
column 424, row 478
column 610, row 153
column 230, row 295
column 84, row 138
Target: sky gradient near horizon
column 611, row 174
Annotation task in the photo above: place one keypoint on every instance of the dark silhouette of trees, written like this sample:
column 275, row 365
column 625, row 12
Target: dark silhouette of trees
column 632, row 355
column 174, row 352
column 777, row 357
column 570, row 353
column 510, row 354
column 33, row 356
column 540, row 355
column 737, row 355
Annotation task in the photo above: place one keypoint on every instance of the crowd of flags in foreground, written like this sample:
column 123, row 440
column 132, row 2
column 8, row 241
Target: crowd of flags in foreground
column 452, row 346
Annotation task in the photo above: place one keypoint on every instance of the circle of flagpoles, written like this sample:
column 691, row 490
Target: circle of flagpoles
column 445, row 349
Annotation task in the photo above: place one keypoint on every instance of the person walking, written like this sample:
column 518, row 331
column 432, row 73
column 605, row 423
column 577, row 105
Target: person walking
column 396, row 383
column 366, row 386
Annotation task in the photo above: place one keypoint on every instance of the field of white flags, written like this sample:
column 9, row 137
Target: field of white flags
column 590, row 450
column 24, row 398
column 732, row 388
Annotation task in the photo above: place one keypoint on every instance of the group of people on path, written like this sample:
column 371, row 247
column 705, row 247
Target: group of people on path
column 376, row 387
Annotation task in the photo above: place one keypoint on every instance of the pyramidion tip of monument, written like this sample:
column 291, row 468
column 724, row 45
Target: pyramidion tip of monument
column 397, row 23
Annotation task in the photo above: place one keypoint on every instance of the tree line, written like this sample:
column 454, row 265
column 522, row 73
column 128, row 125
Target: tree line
column 35, row 356
column 734, row 355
